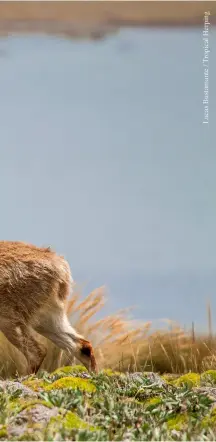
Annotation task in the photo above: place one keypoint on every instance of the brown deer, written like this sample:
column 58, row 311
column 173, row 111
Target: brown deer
column 34, row 286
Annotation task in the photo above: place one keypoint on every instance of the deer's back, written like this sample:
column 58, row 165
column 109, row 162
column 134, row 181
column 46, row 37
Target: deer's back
column 29, row 275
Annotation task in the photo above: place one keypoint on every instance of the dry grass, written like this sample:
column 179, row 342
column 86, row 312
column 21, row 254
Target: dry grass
column 123, row 344
column 93, row 19
column 133, row 12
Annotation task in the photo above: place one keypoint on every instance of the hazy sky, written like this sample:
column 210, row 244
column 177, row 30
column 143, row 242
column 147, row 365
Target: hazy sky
column 105, row 158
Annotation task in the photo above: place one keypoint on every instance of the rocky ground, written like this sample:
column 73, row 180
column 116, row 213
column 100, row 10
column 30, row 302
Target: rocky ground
column 70, row 404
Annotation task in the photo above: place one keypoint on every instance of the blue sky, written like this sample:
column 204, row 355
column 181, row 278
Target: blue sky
column 105, row 158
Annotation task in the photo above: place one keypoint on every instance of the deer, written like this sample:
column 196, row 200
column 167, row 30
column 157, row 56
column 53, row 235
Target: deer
column 35, row 284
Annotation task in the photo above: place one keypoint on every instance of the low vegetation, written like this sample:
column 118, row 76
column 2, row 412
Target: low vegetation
column 70, row 404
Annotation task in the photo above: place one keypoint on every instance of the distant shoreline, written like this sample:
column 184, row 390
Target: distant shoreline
column 96, row 19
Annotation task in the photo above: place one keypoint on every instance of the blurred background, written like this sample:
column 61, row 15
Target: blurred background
column 104, row 154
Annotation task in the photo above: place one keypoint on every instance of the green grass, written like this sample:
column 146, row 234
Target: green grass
column 112, row 406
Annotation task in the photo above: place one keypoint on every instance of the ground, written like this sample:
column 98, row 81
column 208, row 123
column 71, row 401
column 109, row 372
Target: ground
column 71, row 404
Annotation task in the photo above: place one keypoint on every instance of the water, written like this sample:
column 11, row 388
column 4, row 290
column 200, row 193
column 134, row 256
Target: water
column 104, row 157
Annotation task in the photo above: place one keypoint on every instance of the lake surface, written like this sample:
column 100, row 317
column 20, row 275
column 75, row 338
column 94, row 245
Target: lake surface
column 105, row 158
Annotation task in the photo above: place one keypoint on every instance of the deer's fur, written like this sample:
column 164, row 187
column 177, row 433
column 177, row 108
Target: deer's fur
column 34, row 286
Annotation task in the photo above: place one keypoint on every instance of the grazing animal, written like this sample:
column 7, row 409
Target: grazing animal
column 34, row 286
